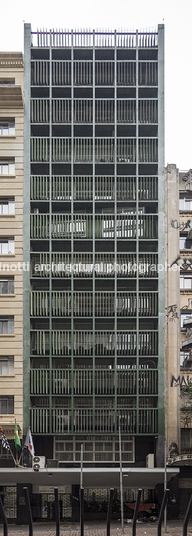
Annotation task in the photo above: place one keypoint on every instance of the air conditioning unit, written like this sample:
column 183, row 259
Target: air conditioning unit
column 38, row 462
column 150, row 461
column 52, row 464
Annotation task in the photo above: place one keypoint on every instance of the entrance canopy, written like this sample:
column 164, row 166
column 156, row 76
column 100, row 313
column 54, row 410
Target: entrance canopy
column 93, row 477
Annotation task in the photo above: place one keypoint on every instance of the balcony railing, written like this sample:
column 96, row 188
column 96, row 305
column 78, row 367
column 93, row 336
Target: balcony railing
column 83, row 111
column 61, row 382
column 126, row 382
column 83, row 188
column 105, row 344
column 103, row 422
column 148, row 382
column 62, row 227
column 148, row 421
column 105, row 265
column 39, row 381
column 40, row 420
column 61, row 420
column 104, row 381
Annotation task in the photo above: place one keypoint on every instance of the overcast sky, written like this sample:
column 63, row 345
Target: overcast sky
column 126, row 15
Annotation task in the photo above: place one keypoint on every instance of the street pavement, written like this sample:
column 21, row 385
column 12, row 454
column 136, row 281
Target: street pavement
column 174, row 528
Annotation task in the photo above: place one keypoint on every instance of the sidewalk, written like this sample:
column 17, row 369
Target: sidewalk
column 174, row 528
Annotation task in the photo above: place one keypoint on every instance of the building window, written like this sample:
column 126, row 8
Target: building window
column 186, row 281
column 7, row 167
column 7, row 81
column 182, row 241
column 185, row 204
column 7, row 285
column 7, row 127
column 99, row 449
column 186, row 359
column 6, row 365
column 185, row 317
column 6, row 325
column 7, row 246
column 186, row 438
column 6, row 404
column 7, row 206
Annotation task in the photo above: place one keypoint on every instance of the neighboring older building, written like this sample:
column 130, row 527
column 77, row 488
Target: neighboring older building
column 179, row 323
column 11, row 246
column 172, row 300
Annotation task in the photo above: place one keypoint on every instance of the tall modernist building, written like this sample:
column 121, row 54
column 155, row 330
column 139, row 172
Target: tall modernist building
column 94, row 237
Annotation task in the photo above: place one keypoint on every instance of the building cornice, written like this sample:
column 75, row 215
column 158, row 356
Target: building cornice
column 11, row 60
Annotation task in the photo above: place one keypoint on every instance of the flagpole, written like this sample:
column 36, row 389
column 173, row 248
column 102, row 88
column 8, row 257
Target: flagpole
column 13, row 457
column 121, row 479
column 21, row 454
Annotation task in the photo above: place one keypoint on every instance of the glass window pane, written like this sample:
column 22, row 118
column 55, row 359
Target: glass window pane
column 4, row 169
column 3, row 327
column 10, row 365
column 11, row 286
column 2, row 366
column 11, row 247
column 182, row 242
column 3, row 405
column 5, row 208
column 5, row 129
column 11, row 325
column 187, row 281
column 108, row 446
column 88, row 446
column 7, row 365
column 184, row 317
column 99, row 446
column 11, row 169
column 68, row 446
column 4, row 248
column 4, row 287
column 10, row 404
column 59, row 445
column 12, row 129
column 188, row 204
column 11, row 207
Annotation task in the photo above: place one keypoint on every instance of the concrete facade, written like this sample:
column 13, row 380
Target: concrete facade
column 172, row 293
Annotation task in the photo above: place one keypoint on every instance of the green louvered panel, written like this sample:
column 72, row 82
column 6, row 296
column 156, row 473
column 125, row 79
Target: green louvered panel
column 39, row 303
column 126, row 382
column 148, row 382
column 39, row 379
column 61, row 382
column 40, row 149
column 39, row 420
column 148, row 421
column 39, row 187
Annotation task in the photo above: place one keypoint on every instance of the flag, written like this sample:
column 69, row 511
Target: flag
column 5, row 443
column 29, row 443
column 16, row 438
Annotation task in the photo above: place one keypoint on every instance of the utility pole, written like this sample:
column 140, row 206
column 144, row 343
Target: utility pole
column 121, row 482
